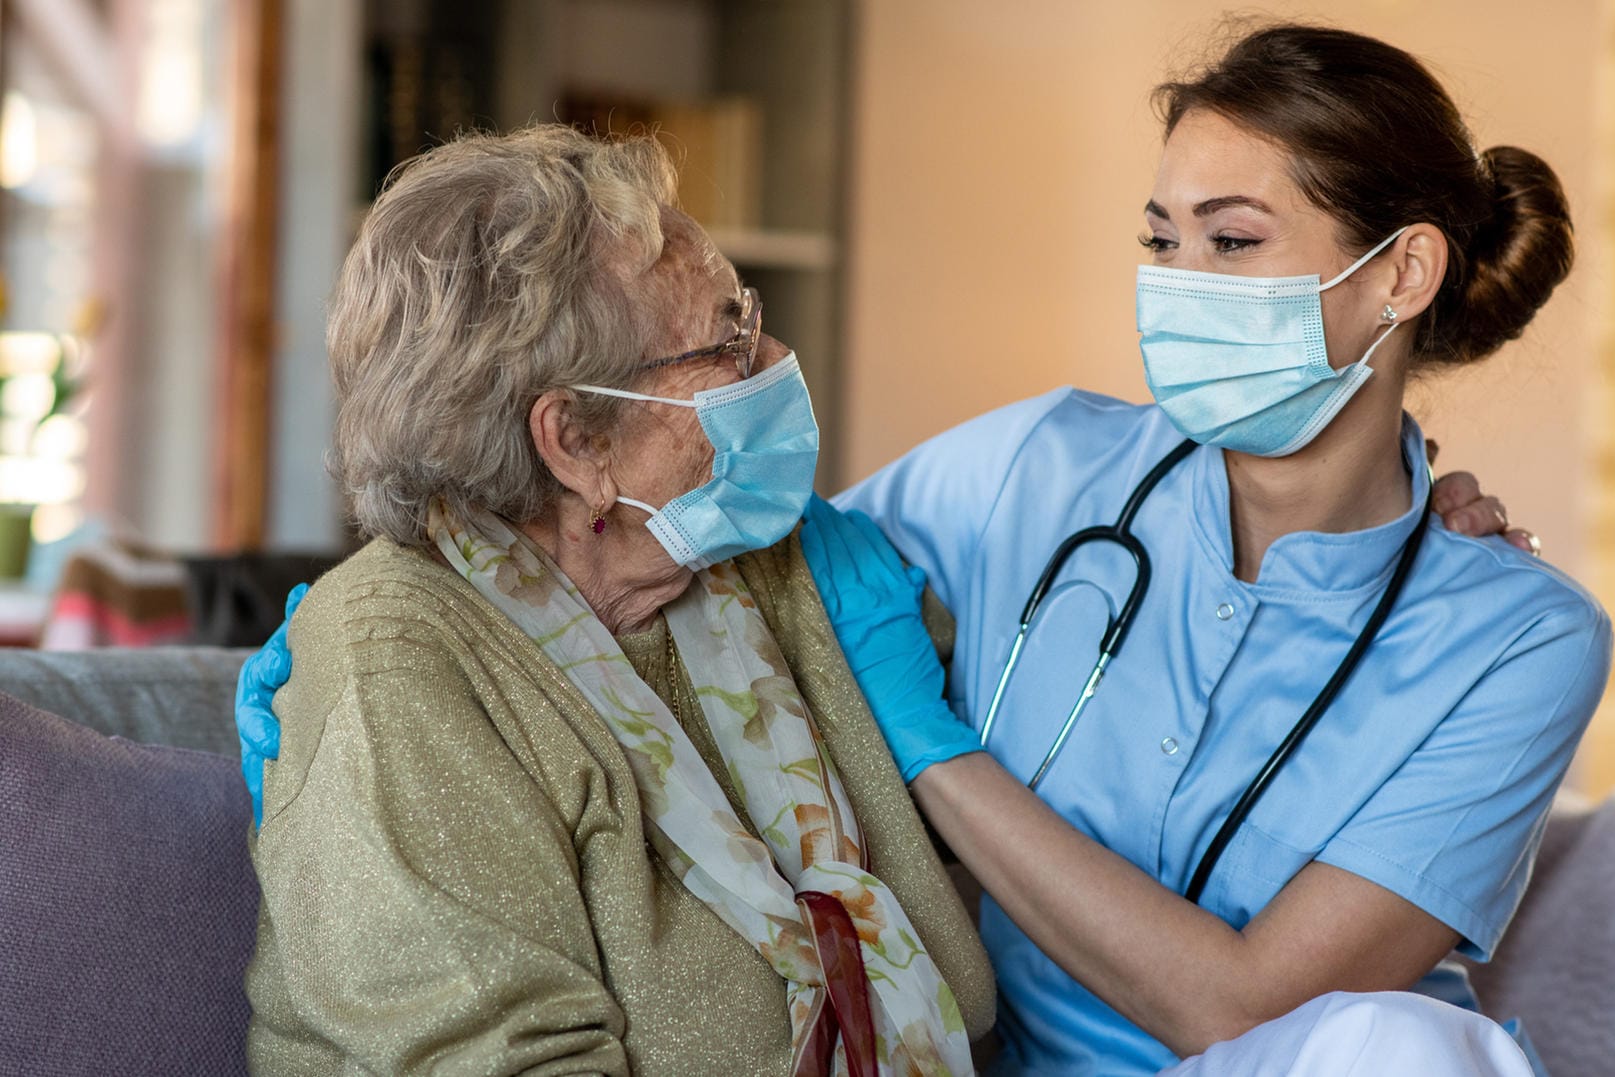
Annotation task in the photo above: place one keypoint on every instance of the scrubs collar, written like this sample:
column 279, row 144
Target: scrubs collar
column 1311, row 564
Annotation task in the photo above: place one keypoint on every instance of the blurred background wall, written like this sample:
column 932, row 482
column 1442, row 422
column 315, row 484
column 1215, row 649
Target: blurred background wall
column 939, row 199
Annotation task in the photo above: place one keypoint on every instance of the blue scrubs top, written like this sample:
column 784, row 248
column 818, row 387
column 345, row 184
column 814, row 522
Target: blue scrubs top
column 1430, row 775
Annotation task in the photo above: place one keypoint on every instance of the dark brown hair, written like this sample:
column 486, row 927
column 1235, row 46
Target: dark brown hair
column 1377, row 144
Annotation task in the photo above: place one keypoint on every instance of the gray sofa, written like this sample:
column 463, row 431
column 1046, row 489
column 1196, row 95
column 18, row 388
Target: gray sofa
column 127, row 901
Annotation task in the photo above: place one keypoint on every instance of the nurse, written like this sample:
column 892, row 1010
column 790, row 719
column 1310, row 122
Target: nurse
column 1321, row 230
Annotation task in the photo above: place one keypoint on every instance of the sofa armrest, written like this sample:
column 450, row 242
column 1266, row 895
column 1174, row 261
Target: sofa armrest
column 178, row 696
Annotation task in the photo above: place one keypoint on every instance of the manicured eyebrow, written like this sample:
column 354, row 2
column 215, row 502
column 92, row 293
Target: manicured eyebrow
column 1210, row 206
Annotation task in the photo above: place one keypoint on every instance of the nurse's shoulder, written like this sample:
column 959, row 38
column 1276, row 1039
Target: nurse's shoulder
column 1530, row 618
column 1520, row 584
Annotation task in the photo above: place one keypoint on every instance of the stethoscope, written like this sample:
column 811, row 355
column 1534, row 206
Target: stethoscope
column 1120, row 533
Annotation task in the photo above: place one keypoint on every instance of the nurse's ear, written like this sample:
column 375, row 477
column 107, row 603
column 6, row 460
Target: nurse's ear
column 1419, row 257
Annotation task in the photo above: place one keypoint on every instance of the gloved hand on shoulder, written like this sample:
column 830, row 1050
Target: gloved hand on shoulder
column 873, row 600
column 256, row 724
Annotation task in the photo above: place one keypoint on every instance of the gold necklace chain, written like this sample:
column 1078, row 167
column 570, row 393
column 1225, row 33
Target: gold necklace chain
column 673, row 675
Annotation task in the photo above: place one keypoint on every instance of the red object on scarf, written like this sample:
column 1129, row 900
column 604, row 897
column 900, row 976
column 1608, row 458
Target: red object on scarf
column 836, row 940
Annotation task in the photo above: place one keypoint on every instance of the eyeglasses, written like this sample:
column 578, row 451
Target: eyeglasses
column 742, row 347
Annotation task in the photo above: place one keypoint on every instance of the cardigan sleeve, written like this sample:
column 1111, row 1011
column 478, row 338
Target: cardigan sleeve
column 421, row 901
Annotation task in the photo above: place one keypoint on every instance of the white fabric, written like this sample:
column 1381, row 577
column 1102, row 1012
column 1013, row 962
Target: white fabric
column 1374, row 1035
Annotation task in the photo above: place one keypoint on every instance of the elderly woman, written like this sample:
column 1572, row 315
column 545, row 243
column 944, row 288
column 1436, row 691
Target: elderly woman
column 573, row 777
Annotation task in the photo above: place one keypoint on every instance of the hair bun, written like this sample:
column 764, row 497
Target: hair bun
column 1516, row 259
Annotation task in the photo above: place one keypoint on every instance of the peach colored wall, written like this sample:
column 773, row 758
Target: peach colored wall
column 1003, row 152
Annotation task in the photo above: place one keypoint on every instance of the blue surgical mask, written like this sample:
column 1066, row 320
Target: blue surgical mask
column 1239, row 362
column 766, row 444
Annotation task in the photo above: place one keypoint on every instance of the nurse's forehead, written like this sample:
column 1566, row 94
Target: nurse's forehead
column 1214, row 163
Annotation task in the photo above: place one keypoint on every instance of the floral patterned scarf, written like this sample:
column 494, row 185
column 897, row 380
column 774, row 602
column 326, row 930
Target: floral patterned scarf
column 864, row 996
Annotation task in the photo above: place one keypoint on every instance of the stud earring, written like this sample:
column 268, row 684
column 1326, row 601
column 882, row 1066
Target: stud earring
column 598, row 524
column 1388, row 315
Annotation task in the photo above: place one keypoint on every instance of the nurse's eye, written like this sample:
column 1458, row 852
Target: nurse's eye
column 1230, row 244
column 1156, row 244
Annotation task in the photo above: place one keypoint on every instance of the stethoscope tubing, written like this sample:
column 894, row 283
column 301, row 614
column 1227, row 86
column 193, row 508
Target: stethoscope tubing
column 1116, row 629
column 1298, row 733
column 1118, row 626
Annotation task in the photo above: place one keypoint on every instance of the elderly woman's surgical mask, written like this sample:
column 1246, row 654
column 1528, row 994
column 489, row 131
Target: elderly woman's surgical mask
column 766, row 444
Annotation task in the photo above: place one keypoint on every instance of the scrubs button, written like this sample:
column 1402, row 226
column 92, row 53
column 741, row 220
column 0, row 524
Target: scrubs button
column 1169, row 747
column 1224, row 612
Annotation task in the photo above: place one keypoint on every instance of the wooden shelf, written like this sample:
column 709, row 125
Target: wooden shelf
column 776, row 250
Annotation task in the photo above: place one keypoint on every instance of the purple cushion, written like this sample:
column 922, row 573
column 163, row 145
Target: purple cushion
column 128, row 904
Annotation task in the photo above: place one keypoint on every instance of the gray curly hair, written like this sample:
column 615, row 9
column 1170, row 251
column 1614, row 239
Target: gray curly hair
column 491, row 270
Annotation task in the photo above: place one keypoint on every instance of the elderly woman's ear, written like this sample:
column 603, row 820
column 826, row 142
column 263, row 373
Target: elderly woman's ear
column 579, row 459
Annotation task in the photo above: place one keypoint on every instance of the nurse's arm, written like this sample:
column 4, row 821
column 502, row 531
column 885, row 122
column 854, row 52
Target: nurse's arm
column 1177, row 971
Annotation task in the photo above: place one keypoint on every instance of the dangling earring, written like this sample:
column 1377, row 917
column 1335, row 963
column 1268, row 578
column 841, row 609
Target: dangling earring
column 1388, row 315
column 598, row 524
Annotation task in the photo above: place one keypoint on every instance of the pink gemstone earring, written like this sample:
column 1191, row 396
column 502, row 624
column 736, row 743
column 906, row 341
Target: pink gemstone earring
column 598, row 524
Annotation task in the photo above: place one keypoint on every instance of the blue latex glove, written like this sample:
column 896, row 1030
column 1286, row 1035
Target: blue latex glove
column 874, row 605
column 256, row 723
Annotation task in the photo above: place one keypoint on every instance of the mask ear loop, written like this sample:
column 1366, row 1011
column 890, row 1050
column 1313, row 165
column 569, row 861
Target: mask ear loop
column 1355, row 266
column 1371, row 348
column 628, row 394
column 652, row 510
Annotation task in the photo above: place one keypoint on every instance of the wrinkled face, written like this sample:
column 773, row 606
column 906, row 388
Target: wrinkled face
column 693, row 296
column 1225, row 202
